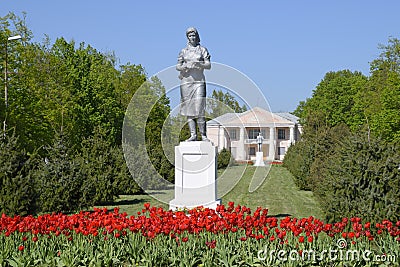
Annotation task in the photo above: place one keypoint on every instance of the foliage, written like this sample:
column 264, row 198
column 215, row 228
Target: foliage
column 59, row 179
column 347, row 154
column 66, row 87
column 17, row 195
column 381, row 99
column 103, row 167
column 221, row 103
column 298, row 161
column 333, row 101
column 141, row 169
column 224, row 158
column 362, row 178
column 69, row 106
column 158, row 129
column 125, row 184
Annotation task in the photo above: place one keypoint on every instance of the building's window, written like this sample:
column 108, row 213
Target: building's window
column 253, row 133
column 252, row 151
column 263, row 133
column 282, row 134
column 281, row 151
column 233, row 134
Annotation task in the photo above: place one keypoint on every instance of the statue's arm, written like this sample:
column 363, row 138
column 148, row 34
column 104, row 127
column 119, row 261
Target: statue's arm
column 181, row 65
column 206, row 63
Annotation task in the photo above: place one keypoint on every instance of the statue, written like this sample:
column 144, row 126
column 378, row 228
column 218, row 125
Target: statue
column 192, row 61
column 260, row 140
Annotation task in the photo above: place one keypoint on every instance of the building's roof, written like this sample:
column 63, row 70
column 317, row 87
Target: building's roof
column 288, row 116
column 223, row 118
column 254, row 117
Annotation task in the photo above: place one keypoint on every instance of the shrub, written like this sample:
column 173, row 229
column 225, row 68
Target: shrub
column 101, row 169
column 362, row 179
column 59, row 179
column 298, row 161
column 306, row 159
column 224, row 158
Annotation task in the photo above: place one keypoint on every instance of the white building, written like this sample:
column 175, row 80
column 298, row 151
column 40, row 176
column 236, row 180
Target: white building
column 237, row 132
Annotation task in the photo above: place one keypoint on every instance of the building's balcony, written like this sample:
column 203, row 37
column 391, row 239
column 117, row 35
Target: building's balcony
column 251, row 141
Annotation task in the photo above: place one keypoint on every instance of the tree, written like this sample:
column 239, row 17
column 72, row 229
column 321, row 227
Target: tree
column 221, row 103
column 157, row 125
column 333, row 101
column 67, row 89
column 361, row 179
column 17, row 194
column 381, row 99
column 102, row 169
column 69, row 107
column 348, row 154
column 59, row 179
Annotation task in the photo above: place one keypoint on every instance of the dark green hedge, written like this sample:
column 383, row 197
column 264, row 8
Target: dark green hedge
column 64, row 180
column 224, row 158
column 350, row 174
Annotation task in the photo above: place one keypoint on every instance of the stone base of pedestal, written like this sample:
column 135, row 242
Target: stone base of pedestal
column 195, row 176
column 176, row 205
column 259, row 159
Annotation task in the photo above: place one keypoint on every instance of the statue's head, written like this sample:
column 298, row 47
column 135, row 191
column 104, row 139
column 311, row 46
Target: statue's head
column 193, row 30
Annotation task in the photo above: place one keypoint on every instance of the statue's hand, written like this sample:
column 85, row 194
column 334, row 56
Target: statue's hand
column 197, row 65
column 190, row 65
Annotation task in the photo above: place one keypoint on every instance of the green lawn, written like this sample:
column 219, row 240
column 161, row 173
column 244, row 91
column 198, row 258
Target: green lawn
column 277, row 192
column 271, row 187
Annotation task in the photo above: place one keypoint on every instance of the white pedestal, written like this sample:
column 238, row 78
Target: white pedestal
column 195, row 176
column 259, row 159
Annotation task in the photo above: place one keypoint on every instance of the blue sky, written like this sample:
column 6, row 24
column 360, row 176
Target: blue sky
column 285, row 47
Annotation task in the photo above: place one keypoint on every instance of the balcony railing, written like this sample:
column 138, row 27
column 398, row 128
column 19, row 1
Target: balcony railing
column 254, row 141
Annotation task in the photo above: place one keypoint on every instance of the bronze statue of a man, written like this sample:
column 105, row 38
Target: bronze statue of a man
column 192, row 61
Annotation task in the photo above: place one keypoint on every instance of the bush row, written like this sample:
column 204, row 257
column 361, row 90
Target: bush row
column 61, row 179
column 352, row 174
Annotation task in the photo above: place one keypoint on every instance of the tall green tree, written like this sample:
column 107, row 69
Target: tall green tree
column 17, row 192
column 60, row 95
column 361, row 179
column 348, row 154
column 59, row 179
column 158, row 128
column 381, row 99
column 104, row 169
column 221, row 103
column 333, row 101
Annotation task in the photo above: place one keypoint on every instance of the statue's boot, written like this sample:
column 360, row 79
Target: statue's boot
column 203, row 128
column 192, row 128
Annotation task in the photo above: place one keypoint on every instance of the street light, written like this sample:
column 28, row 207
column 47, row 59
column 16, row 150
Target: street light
column 16, row 37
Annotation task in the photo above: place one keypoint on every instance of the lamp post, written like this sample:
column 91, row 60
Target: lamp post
column 16, row 37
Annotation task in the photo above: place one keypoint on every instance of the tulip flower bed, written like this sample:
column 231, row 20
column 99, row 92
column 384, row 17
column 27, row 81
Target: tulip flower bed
column 229, row 236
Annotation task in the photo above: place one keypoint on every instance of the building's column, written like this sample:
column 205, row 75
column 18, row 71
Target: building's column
column 221, row 139
column 241, row 151
column 271, row 154
column 291, row 135
column 241, row 134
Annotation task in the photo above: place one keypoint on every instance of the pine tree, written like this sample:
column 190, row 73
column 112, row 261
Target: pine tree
column 17, row 195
